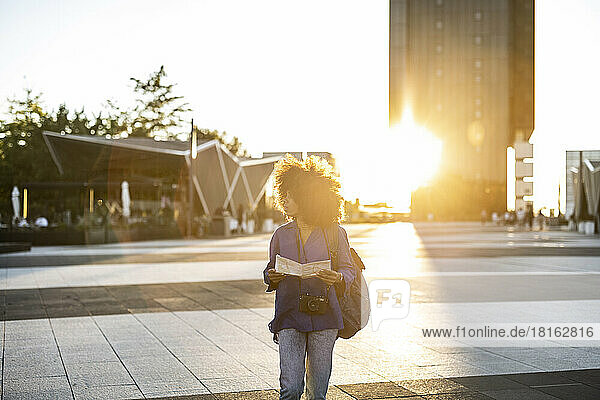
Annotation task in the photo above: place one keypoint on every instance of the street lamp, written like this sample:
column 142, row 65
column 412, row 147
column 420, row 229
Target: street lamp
column 193, row 155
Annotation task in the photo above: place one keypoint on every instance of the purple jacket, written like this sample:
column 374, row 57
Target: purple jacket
column 285, row 241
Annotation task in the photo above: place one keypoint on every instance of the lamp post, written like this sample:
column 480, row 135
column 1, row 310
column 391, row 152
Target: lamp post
column 25, row 203
column 193, row 154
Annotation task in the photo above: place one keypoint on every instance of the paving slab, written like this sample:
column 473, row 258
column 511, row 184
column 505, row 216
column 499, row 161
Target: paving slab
column 170, row 389
column 17, row 368
column 92, row 374
column 113, row 392
column 365, row 391
column 54, row 387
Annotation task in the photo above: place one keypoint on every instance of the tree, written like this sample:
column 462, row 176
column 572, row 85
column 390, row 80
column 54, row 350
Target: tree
column 24, row 156
column 236, row 147
column 97, row 128
column 58, row 121
column 22, row 140
column 80, row 124
column 158, row 112
column 118, row 121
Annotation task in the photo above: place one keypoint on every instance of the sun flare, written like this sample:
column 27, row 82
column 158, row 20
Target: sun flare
column 391, row 164
column 420, row 151
column 413, row 156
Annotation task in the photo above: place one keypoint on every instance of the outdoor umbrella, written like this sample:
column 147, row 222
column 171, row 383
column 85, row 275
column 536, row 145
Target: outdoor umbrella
column 125, row 199
column 16, row 203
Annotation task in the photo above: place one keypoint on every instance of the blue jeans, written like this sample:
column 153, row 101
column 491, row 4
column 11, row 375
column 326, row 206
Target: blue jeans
column 317, row 347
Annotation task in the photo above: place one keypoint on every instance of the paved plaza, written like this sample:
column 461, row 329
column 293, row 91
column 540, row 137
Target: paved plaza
column 188, row 319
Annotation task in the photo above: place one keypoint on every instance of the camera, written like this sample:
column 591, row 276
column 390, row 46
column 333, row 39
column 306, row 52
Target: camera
column 313, row 304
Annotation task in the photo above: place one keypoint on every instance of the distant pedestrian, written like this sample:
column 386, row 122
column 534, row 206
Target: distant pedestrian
column 307, row 192
column 495, row 218
column 529, row 216
column 540, row 220
column 240, row 218
column 483, row 217
column 520, row 217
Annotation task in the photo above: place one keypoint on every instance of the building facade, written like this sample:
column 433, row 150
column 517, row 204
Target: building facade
column 583, row 187
column 163, row 175
column 465, row 69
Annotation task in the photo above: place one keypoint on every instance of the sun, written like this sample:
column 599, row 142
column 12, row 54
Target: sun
column 391, row 163
column 417, row 153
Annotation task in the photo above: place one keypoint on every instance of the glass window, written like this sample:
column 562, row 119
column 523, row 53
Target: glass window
column 478, row 40
column 438, row 24
column 477, row 15
column 477, row 64
column 438, row 72
column 438, row 49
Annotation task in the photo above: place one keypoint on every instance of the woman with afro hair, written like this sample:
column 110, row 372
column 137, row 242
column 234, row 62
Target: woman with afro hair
column 308, row 193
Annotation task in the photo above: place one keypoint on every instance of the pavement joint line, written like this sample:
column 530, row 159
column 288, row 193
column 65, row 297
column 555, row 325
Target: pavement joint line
column 216, row 345
column 342, row 390
column 238, row 326
column 383, row 377
column 225, row 319
column 61, row 360
column 363, row 366
column 229, row 299
column 241, row 307
column 218, row 294
column 500, row 355
column 3, row 347
column 173, row 354
column 116, row 354
column 557, row 384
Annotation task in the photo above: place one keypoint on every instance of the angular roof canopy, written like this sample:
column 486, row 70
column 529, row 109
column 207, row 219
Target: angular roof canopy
column 220, row 178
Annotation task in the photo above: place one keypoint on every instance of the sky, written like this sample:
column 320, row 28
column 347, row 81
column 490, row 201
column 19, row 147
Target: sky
column 566, row 95
column 284, row 77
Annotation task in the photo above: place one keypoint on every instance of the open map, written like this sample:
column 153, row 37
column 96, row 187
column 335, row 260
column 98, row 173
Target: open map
column 291, row 267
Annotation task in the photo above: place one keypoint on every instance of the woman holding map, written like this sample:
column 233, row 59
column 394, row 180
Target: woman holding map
column 307, row 311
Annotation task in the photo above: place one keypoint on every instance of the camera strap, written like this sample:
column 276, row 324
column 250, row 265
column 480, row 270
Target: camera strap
column 299, row 260
column 298, row 240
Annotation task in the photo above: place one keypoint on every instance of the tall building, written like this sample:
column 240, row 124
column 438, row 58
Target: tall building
column 466, row 70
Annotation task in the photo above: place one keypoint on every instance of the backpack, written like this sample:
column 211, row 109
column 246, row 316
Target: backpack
column 356, row 307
